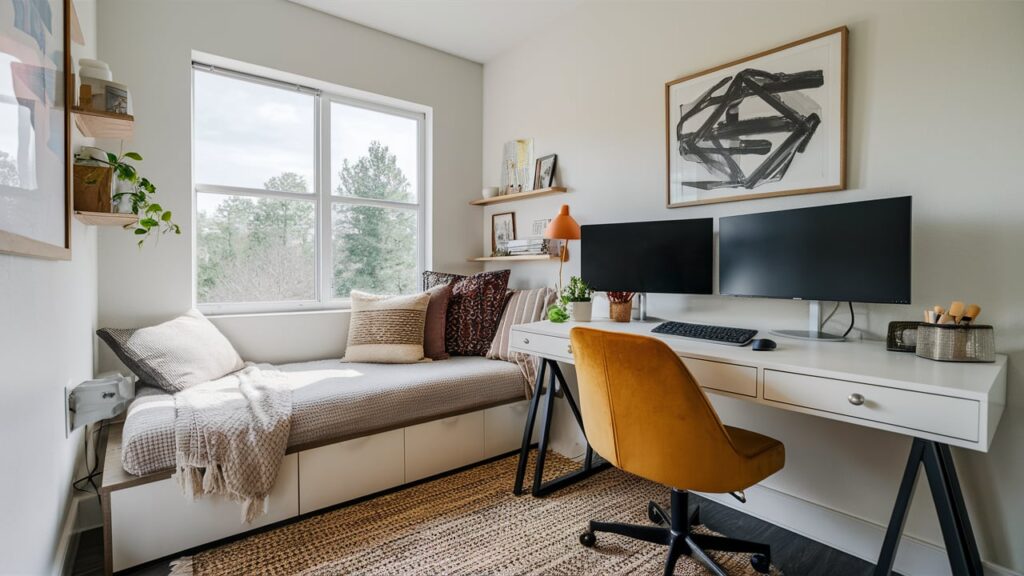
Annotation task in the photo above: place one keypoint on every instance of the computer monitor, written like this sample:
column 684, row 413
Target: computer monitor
column 668, row 256
column 857, row 252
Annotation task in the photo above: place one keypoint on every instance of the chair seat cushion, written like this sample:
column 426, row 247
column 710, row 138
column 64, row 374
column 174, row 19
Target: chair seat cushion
column 333, row 400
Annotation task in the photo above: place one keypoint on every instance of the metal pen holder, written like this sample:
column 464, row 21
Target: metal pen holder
column 953, row 343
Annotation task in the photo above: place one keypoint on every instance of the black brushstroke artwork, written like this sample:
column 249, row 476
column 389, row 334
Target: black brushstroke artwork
column 723, row 137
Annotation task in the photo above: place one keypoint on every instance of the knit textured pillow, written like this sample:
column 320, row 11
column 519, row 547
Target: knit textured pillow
column 386, row 329
column 474, row 311
column 175, row 355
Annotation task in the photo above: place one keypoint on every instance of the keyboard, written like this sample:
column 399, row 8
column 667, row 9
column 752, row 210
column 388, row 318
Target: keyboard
column 716, row 334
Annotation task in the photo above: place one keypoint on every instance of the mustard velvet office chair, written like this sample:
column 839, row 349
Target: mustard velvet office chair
column 644, row 412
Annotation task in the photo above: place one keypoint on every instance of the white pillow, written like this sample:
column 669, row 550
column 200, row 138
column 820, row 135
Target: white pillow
column 386, row 329
column 175, row 355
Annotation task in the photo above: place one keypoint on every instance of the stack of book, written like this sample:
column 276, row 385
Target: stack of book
column 530, row 247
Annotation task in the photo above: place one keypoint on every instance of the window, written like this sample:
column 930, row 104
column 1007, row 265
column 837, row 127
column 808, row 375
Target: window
column 301, row 195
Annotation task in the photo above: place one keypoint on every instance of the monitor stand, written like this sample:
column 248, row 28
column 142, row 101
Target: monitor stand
column 814, row 327
column 642, row 315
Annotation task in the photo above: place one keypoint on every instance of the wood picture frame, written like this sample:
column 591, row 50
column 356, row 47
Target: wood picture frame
column 503, row 228
column 22, row 243
column 706, row 158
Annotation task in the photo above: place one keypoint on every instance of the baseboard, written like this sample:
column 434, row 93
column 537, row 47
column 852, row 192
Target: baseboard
column 67, row 546
column 855, row 536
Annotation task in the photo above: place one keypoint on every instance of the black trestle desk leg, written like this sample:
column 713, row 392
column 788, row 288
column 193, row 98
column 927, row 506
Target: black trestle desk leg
column 545, row 434
column 957, row 533
column 588, row 460
column 531, row 418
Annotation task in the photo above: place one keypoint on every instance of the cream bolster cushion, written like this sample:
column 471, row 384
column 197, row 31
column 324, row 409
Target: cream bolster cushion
column 386, row 329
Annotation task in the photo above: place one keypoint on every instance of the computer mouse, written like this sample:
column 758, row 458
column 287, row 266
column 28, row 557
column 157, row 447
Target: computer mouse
column 762, row 345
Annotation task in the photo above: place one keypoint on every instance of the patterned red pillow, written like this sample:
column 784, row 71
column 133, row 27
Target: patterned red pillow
column 474, row 311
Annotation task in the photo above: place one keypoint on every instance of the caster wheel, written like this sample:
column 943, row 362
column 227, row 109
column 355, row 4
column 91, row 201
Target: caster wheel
column 761, row 563
column 588, row 539
column 652, row 514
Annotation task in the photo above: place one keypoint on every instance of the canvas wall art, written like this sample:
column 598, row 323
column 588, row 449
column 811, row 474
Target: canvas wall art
column 772, row 124
column 34, row 128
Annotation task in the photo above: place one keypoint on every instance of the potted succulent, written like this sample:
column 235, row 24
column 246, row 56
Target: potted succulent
column 576, row 297
column 620, row 306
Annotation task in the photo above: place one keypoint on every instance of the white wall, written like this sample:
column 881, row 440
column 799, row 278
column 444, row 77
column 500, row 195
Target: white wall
column 149, row 47
column 934, row 112
column 47, row 319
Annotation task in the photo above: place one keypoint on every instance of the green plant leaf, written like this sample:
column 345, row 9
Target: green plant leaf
column 177, row 229
column 153, row 208
column 141, row 231
column 133, row 156
column 112, row 158
column 166, row 217
column 148, row 222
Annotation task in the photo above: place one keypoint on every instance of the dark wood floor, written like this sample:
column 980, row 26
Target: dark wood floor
column 791, row 553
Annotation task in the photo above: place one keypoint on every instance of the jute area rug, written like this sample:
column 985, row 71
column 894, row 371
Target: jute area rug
column 466, row 523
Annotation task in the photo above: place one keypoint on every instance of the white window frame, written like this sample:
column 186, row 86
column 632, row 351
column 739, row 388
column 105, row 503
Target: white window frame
column 322, row 196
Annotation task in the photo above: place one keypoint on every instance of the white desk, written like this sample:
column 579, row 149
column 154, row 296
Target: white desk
column 939, row 404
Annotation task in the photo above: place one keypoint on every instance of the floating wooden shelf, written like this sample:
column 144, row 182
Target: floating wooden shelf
column 525, row 258
column 96, row 124
column 106, row 218
column 519, row 196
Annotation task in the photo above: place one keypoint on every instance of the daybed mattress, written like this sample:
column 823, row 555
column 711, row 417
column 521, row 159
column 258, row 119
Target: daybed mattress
column 332, row 399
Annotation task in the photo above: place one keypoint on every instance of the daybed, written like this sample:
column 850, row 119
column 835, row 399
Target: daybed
column 357, row 429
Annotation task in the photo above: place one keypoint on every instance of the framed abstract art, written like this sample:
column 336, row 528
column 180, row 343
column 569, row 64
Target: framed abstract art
column 771, row 124
column 35, row 201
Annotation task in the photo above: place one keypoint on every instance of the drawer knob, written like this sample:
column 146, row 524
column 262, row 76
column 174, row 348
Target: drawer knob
column 526, row 340
column 856, row 399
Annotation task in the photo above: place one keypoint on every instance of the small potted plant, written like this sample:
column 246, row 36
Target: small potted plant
column 620, row 306
column 136, row 193
column 576, row 297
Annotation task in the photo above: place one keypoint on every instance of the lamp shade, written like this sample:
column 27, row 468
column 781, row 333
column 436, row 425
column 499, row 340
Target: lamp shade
column 563, row 226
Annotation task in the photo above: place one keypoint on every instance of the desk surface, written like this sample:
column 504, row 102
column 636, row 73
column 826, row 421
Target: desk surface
column 858, row 361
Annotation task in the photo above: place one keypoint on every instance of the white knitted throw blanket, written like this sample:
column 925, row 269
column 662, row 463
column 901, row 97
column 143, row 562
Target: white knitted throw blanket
column 230, row 436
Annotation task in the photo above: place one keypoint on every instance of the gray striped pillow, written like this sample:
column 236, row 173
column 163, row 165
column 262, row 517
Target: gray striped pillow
column 523, row 307
column 386, row 329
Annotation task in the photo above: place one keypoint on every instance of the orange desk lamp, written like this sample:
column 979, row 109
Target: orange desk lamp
column 563, row 227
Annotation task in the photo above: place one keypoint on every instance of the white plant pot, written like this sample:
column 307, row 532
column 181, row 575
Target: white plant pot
column 581, row 311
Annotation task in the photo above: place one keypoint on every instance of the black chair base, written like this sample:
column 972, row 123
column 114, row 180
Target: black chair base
column 673, row 530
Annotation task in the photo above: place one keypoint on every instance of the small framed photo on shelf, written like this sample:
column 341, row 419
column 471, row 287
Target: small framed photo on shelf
column 503, row 229
column 544, row 174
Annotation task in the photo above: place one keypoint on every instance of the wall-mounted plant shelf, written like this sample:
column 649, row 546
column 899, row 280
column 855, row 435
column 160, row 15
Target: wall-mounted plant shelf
column 106, row 218
column 519, row 196
column 524, row 258
column 95, row 124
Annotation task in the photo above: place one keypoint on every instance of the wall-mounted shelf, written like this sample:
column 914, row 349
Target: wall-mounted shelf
column 519, row 196
column 106, row 218
column 525, row 258
column 96, row 124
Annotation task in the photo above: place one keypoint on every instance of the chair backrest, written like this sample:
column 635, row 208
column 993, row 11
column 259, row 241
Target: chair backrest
column 644, row 412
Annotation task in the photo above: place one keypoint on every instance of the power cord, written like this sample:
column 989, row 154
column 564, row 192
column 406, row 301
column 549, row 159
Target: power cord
column 93, row 471
column 852, row 318
column 829, row 317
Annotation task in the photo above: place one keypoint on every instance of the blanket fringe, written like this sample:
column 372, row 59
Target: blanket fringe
column 182, row 567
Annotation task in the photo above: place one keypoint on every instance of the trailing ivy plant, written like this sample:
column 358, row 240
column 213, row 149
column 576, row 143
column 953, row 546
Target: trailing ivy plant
column 152, row 216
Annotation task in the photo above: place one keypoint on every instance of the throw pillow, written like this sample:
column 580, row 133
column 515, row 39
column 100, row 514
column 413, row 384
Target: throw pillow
column 523, row 307
column 433, row 330
column 474, row 311
column 432, row 279
column 176, row 354
column 386, row 329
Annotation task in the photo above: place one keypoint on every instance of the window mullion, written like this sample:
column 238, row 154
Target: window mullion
column 325, row 258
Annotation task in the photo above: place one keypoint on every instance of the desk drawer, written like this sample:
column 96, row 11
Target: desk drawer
column 540, row 345
column 954, row 417
column 724, row 377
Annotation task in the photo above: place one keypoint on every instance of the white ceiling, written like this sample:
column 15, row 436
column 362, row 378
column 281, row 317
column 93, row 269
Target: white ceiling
column 477, row 30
